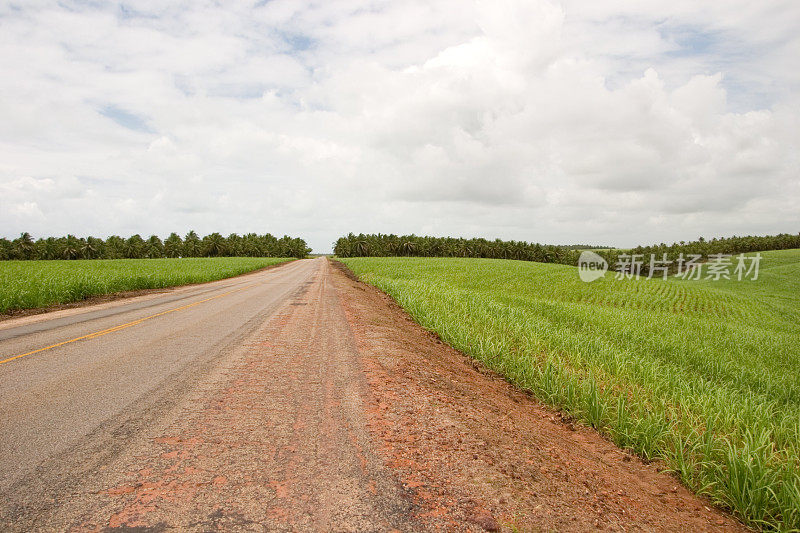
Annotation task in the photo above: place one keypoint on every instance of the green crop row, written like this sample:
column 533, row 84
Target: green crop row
column 702, row 375
column 30, row 284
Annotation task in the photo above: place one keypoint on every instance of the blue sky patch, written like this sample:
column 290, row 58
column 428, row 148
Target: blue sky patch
column 298, row 42
column 126, row 119
column 691, row 41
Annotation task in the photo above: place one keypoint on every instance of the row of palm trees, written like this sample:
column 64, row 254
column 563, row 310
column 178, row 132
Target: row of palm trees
column 724, row 245
column 381, row 245
column 136, row 247
column 705, row 248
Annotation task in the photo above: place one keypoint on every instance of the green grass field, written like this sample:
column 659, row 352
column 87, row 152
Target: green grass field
column 702, row 375
column 31, row 284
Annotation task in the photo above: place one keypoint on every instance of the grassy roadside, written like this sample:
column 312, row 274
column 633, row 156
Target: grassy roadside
column 702, row 375
column 32, row 284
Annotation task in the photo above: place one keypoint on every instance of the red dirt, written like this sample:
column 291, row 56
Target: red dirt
column 473, row 449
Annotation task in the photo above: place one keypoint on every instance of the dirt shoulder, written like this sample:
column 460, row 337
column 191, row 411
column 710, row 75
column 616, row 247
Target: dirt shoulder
column 475, row 451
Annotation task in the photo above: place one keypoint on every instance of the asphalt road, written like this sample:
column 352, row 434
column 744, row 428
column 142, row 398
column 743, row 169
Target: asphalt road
column 51, row 399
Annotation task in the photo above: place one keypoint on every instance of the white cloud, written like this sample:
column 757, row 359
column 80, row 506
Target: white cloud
column 570, row 121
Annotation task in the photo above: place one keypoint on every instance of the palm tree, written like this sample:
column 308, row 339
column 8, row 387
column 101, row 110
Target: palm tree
column 342, row 247
column 234, row 245
column 24, row 246
column 361, row 247
column 90, row 248
column 6, row 249
column 269, row 245
column 214, row 245
column 134, row 247
column 191, row 245
column 251, row 246
column 408, row 247
column 48, row 249
column 154, row 248
column 71, row 247
column 298, row 249
column 173, row 245
column 114, row 247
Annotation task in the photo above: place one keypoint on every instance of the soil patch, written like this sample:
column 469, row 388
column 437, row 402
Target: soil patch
column 476, row 451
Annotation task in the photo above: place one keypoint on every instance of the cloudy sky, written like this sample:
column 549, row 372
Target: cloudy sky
column 611, row 122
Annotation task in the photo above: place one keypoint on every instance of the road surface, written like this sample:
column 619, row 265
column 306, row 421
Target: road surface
column 107, row 391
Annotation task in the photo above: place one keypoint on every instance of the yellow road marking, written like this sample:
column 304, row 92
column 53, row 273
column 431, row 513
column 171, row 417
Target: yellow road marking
column 121, row 326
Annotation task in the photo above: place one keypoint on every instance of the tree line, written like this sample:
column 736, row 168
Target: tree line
column 723, row 245
column 136, row 247
column 381, row 245
column 705, row 248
